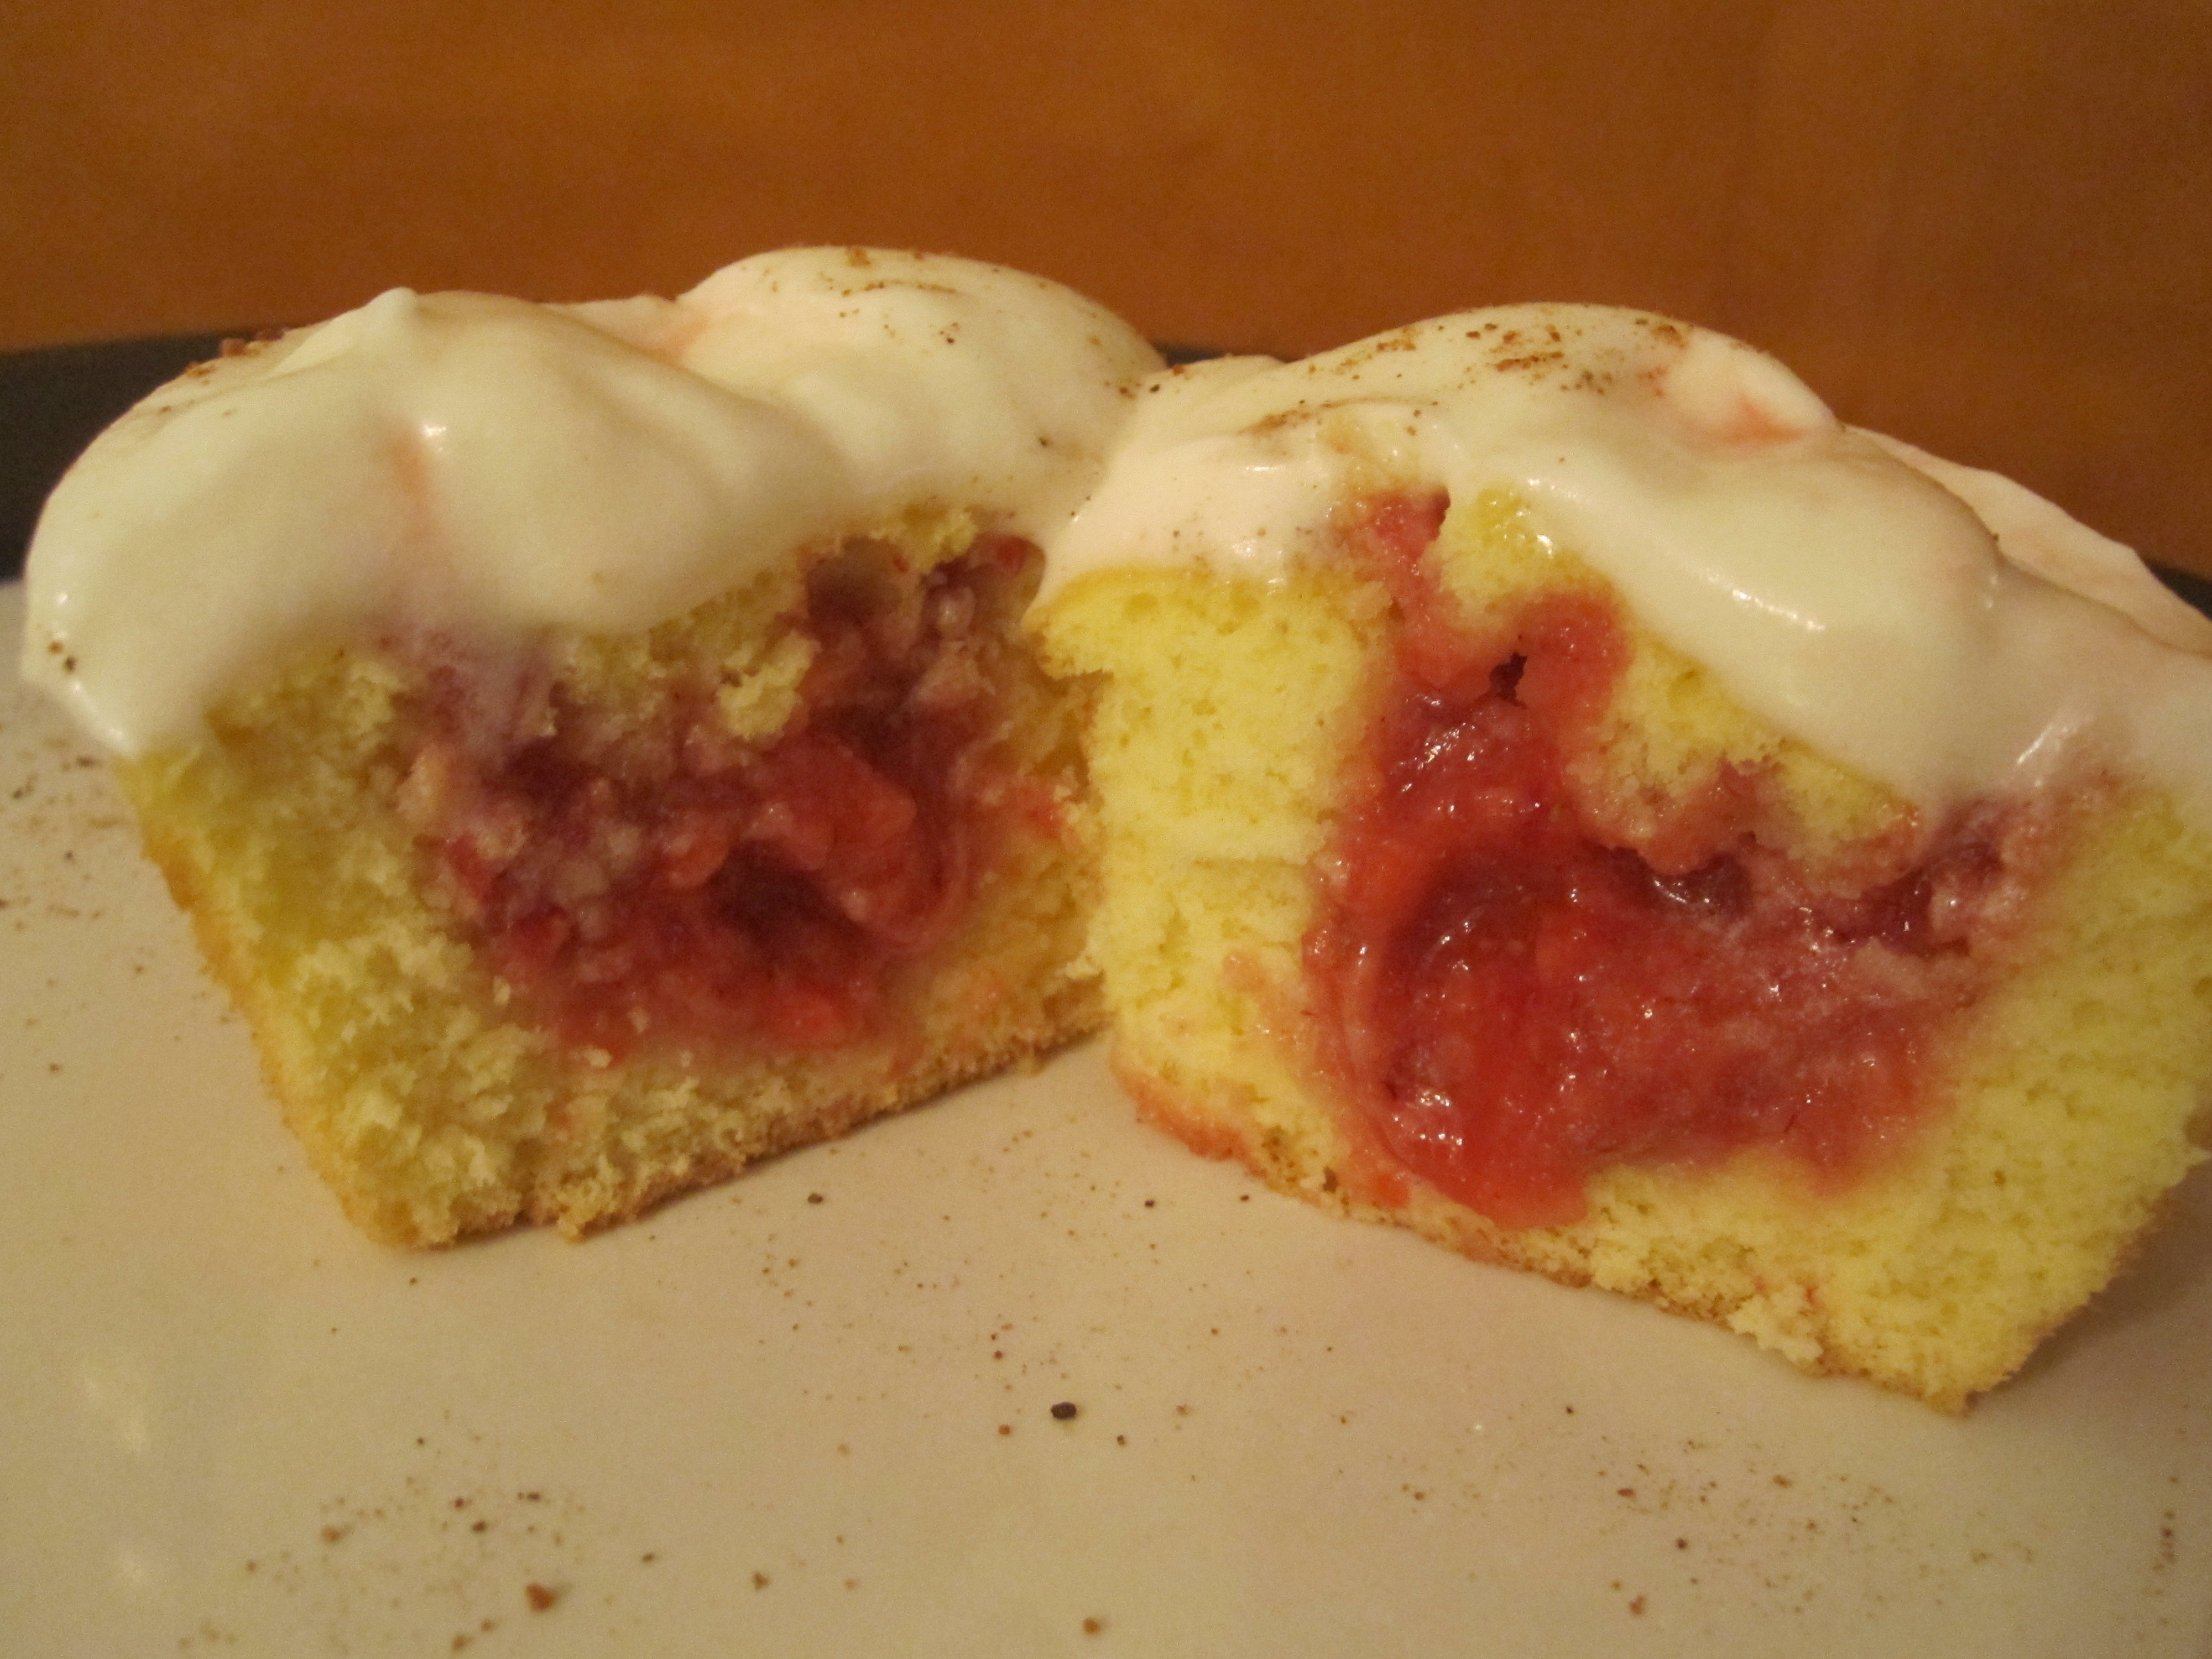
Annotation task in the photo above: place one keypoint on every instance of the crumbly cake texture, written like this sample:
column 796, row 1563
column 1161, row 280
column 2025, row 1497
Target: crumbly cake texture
column 430, row 1096
column 2066, row 1100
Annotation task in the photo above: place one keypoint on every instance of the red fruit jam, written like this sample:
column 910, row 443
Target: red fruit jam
column 662, row 879
column 1513, row 1002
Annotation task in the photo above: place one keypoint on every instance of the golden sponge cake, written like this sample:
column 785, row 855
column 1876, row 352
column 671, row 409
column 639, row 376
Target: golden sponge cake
column 1563, row 793
column 690, row 907
column 597, row 746
column 1535, row 777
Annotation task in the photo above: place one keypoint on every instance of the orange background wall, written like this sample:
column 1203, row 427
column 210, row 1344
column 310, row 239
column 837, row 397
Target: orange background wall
column 1986, row 225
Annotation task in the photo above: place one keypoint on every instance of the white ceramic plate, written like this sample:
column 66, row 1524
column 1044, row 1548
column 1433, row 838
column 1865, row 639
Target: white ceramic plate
column 811, row 1412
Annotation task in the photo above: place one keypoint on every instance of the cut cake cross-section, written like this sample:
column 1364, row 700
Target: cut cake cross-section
column 596, row 745
column 1563, row 792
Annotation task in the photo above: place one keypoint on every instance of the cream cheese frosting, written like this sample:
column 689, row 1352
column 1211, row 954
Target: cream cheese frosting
column 497, row 469
column 1941, row 629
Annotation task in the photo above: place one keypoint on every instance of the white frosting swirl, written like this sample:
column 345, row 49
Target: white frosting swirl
column 499, row 468
column 1941, row 629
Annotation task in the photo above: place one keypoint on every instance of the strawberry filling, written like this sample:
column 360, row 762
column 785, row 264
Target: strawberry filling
column 1514, row 998
column 666, row 879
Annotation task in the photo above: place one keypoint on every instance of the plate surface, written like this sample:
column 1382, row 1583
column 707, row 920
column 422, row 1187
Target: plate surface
column 812, row 1411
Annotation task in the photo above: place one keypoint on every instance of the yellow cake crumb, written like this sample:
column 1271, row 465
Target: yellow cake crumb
column 2069, row 1102
column 429, row 1100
